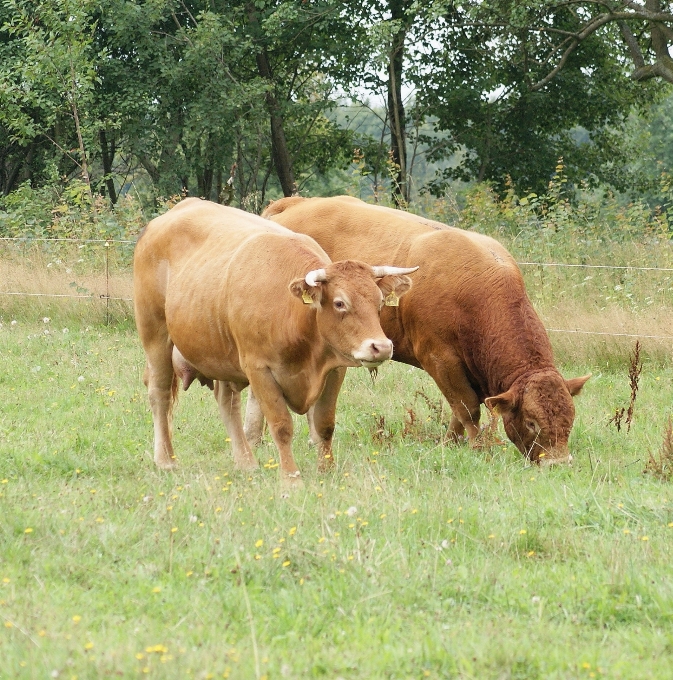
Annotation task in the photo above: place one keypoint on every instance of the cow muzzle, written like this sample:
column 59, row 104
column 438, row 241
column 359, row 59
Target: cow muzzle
column 373, row 352
column 550, row 458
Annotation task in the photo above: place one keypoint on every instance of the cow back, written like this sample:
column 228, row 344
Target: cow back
column 468, row 301
column 218, row 278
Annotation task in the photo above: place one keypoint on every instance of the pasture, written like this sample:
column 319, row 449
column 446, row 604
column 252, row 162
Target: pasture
column 415, row 558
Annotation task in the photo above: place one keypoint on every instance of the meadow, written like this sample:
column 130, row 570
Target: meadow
column 415, row 558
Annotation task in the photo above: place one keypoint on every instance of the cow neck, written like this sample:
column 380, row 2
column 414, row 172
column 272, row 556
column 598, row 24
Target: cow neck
column 516, row 348
column 520, row 380
column 323, row 356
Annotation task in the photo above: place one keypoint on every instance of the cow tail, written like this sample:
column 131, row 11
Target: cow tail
column 281, row 205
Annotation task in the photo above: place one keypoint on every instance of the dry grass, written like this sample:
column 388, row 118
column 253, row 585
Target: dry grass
column 64, row 280
column 661, row 466
column 583, row 333
column 587, row 323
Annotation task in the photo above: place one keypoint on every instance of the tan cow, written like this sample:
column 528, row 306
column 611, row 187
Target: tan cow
column 231, row 299
column 468, row 321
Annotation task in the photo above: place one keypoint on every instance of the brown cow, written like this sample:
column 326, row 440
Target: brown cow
column 231, row 299
column 468, row 321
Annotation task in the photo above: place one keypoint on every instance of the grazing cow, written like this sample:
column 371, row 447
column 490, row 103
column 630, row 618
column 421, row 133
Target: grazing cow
column 231, row 299
column 468, row 321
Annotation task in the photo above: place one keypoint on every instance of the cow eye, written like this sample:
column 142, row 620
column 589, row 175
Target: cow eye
column 340, row 305
column 531, row 425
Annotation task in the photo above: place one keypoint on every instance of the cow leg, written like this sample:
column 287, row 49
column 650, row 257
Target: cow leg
column 456, row 428
column 229, row 403
column 321, row 420
column 274, row 409
column 450, row 377
column 162, row 386
column 313, row 436
column 254, row 420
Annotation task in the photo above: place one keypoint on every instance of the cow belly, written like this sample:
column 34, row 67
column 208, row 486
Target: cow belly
column 213, row 366
column 207, row 356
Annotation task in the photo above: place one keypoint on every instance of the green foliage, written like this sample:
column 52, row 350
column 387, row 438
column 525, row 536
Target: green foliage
column 55, row 211
column 173, row 97
column 483, row 102
column 562, row 214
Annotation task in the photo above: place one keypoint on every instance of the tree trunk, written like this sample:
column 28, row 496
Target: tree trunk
column 150, row 167
column 396, row 114
column 108, row 154
column 218, row 185
column 16, row 171
column 282, row 160
column 75, row 114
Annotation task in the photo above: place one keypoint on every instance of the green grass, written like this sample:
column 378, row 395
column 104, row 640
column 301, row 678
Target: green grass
column 419, row 560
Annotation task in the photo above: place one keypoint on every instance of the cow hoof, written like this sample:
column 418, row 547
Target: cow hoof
column 247, row 465
column 166, row 463
column 326, row 463
column 455, row 438
column 291, row 480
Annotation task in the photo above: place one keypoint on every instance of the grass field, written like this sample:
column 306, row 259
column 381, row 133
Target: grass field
column 413, row 559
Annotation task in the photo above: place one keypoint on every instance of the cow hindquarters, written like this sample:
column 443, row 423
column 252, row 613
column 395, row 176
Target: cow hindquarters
column 229, row 403
column 322, row 417
column 274, row 409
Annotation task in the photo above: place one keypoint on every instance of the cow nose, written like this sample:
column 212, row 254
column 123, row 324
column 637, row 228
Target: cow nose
column 561, row 459
column 381, row 349
column 374, row 351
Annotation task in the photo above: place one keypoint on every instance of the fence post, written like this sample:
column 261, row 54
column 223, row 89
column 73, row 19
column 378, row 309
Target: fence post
column 107, row 282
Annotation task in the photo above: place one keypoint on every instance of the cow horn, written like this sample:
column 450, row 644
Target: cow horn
column 314, row 276
column 379, row 272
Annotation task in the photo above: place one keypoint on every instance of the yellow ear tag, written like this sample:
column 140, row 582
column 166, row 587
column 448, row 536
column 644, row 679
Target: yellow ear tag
column 308, row 300
column 392, row 300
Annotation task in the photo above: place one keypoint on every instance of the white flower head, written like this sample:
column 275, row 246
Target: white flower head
column 46, row 319
column 351, row 511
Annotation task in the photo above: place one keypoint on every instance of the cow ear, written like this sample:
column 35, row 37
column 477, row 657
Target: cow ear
column 393, row 288
column 575, row 385
column 309, row 295
column 501, row 404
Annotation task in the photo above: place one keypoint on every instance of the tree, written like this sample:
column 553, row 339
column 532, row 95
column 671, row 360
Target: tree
column 511, row 82
column 50, row 76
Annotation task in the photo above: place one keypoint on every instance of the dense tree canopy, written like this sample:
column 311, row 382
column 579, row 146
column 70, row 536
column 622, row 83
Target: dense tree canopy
column 218, row 98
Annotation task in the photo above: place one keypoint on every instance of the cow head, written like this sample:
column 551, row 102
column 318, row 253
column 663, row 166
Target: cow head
column 348, row 297
column 538, row 414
